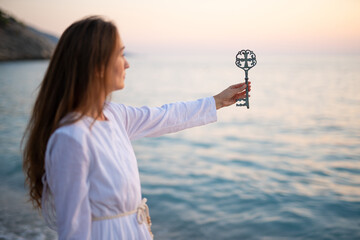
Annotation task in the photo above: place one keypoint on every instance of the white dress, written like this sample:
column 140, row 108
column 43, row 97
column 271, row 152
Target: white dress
column 91, row 171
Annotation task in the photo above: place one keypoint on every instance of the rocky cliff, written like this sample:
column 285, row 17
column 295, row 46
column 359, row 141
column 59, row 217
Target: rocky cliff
column 18, row 41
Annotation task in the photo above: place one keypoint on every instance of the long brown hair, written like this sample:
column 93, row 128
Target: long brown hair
column 74, row 81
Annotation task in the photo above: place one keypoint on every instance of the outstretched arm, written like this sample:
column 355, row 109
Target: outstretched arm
column 169, row 118
column 230, row 95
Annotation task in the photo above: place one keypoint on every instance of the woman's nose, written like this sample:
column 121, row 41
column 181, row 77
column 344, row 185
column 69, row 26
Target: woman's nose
column 127, row 65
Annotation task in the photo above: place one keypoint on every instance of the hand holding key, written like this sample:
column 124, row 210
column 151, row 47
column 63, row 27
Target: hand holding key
column 231, row 94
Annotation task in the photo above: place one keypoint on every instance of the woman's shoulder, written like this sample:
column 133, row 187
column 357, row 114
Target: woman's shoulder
column 112, row 106
column 73, row 139
column 117, row 110
column 78, row 131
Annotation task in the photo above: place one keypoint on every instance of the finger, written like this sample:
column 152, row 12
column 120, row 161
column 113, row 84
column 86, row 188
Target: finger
column 239, row 96
column 239, row 85
column 237, row 91
column 242, row 91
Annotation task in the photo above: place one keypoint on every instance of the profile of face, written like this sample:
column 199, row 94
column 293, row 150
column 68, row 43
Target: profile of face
column 117, row 66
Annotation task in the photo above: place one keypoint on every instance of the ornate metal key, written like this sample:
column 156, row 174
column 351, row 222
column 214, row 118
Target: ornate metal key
column 245, row 59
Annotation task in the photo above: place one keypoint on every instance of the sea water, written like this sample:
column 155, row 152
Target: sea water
column 287, row 168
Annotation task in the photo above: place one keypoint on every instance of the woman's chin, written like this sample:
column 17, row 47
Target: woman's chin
column 122, row 86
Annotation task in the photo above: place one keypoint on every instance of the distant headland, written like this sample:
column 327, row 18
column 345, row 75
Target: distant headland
column 21, row 42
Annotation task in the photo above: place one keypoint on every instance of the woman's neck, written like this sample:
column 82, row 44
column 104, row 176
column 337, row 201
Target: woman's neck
column 95, row 113
column 102, row 117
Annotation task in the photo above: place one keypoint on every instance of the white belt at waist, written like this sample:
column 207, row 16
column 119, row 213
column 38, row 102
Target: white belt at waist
column 142, row 215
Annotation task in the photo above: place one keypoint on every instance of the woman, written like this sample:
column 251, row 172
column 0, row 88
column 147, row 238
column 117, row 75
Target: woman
column 78, row 158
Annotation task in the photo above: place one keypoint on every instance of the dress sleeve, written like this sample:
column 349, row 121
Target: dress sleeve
column 67, row 169
column 153, row 122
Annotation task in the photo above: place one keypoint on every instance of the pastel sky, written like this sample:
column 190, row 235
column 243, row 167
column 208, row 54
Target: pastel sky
column 271, row 26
